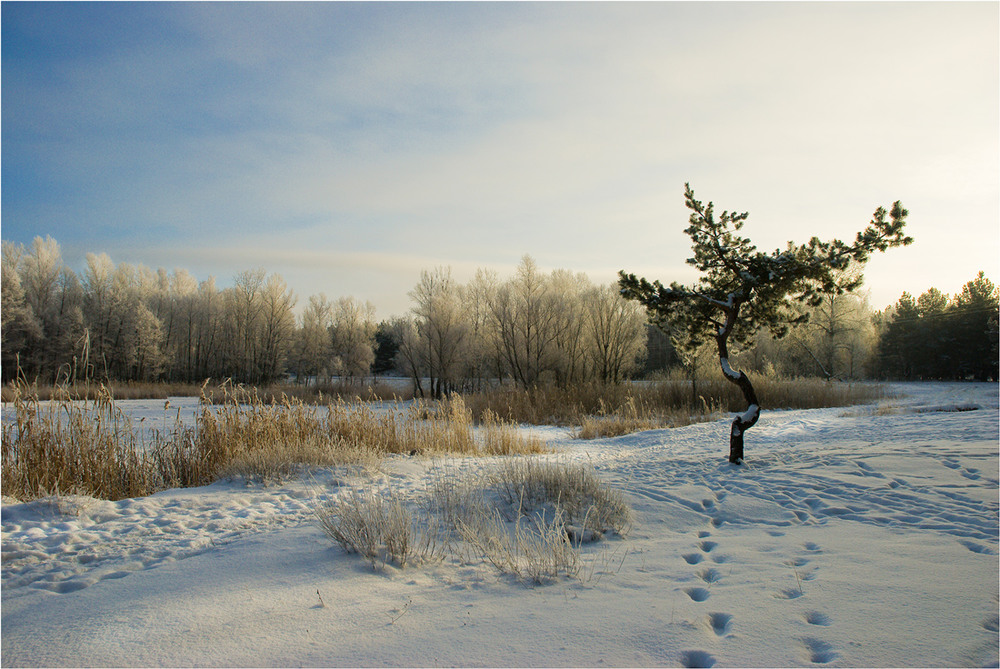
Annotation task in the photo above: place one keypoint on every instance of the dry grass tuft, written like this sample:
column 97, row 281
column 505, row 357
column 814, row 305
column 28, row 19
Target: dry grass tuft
column 526, row 518
column 537, row 549
column 378, row 526
column 572, row 491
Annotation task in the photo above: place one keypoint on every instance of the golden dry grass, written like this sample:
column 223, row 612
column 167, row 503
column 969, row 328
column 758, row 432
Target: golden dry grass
column 92, row 447
column 607, row 410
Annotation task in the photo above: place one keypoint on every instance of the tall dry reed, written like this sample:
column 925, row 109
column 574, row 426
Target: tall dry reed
column 93, row 448
column 604, row 410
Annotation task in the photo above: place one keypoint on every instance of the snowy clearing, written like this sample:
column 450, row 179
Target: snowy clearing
column 865, row 536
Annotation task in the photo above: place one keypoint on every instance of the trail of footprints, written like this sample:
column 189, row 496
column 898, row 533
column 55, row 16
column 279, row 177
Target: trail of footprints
column 813, row 649
column 124, row 537
column 718, row 623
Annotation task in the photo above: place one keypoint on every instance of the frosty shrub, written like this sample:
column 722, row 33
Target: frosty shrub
column 378, row 526
column 527, row 519
column 533, row 548
column 571, row 491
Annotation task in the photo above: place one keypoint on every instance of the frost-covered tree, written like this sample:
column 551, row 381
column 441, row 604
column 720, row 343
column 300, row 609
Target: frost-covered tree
column 353, row 338
column 442, row 328
column 313, row 352
column 409, row 359
column 277, row 328
column 616, row 330
column 837, row 341
column 741, row 289
column 21, row 329
column 524, row 316
column 483, row 361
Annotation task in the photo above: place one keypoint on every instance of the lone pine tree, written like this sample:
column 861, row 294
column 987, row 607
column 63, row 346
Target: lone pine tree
column 742, row 289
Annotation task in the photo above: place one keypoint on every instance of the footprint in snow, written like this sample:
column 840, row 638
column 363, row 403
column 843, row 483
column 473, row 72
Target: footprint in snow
column 693, row 558
column 789, row 593
column 817, row 618
column 818, row 651
column 697, row 594
column 720, row 623
column 696, row 658
column 976, row 547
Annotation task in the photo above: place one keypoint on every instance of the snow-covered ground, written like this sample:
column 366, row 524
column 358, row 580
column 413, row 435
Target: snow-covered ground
column 853, row 537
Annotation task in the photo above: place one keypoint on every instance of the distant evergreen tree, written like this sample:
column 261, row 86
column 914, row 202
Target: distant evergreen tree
column 932, row 338
column 976, row 313
column 660, row 353
column 386, row 348
column 934, row 345
column 895, row 359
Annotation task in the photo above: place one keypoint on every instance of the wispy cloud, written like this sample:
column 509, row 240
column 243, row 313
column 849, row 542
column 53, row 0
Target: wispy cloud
column 337, row 140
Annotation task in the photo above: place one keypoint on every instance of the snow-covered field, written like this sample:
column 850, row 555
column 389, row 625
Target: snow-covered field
column 853, row 537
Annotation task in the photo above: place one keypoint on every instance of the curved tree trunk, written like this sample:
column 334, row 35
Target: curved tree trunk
column 744, row 421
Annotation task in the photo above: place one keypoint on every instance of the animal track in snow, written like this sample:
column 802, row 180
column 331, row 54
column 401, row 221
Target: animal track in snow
column 707, row 546
column 710, row 575
column 693, row 558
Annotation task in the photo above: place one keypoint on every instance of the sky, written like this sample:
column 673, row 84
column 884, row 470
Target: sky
column 348, row 146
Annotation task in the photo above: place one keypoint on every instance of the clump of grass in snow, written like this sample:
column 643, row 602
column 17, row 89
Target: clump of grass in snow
column 526, row 519
column 537, row 548
column 572, row 491
column 380, row 528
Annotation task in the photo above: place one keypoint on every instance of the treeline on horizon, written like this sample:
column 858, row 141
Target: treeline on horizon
column 129, row 323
